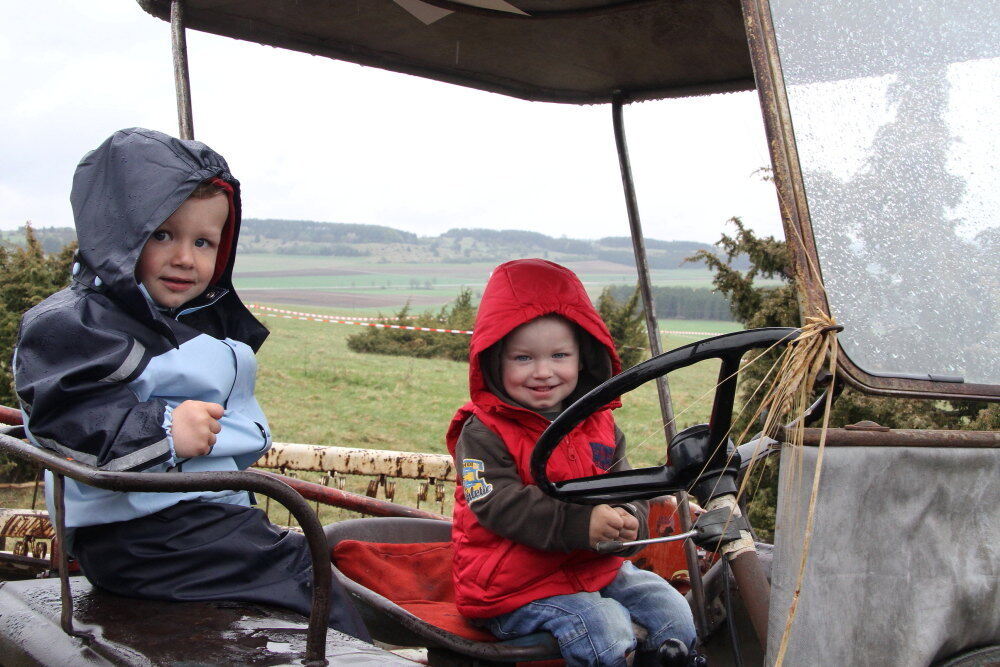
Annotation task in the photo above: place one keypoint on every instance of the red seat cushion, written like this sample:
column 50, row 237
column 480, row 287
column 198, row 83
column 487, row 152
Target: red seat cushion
column 417, row 577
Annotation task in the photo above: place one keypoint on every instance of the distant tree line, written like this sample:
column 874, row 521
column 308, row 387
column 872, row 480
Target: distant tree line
column 49, row 239
column 659, row 254
column 682, row 303
column 514, row 238
column 308, row 231
column 338, row 239
column 651, row 244
column 655, row 260
column 330, row 249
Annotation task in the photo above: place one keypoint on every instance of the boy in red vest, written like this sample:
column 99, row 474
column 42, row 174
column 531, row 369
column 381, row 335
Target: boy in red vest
column 524, row 562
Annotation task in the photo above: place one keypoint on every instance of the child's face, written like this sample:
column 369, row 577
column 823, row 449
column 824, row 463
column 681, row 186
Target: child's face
column 540, row 363
column 178, row 260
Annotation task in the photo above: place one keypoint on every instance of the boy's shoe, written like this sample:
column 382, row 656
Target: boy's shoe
column 673, row 653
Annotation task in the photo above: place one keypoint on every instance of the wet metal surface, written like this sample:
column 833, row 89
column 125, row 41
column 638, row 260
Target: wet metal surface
column 204, row 481
column 147, row 632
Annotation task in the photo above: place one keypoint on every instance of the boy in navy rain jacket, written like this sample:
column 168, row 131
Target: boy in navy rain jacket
column 146, row 363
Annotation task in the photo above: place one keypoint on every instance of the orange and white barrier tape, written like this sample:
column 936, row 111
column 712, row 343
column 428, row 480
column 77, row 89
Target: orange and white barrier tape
column 329, row 319
column 314, row 315
column 367, row 321
column 690, row 333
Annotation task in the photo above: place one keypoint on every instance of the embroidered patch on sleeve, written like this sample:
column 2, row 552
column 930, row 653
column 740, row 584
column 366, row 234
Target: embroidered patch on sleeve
column 603, row 454
column 474, row 486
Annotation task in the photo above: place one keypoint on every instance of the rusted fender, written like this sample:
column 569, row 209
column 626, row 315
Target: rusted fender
column 667, row 559
column 21, row 523
column 356, row 461
column 352, row 501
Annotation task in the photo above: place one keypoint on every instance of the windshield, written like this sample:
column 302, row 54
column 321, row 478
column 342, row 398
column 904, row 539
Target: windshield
column 895, row 121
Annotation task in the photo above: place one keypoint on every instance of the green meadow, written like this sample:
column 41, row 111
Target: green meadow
column 311, row 272
column 314, row 390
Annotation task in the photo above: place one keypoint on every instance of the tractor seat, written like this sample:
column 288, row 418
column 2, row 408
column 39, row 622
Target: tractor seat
column 398, row 572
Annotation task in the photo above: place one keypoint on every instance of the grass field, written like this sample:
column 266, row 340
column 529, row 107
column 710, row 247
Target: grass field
column 343, row 271
column 366, row 285
column 314, row 390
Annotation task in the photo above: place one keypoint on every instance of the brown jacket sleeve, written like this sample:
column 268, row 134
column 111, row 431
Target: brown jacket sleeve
column 524, row 513
column 512, row 509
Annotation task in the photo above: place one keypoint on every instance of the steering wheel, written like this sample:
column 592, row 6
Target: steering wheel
column 646, row 483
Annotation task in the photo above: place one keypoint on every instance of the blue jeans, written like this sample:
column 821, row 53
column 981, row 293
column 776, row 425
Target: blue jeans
column 596, row 628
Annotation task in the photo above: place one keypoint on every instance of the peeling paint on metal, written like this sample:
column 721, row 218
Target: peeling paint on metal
column 357, row 461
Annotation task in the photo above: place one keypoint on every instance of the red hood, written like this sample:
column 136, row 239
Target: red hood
column 518, row 292
column 228, row 230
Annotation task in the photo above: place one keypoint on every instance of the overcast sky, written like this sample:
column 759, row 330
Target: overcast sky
column 316, row 139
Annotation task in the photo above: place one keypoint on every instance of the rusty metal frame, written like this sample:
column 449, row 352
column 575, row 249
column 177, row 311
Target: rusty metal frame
column 256, row 482
column 357, row 461
column 182, row 79
column 798, row 225
column 642, row 264
column 10, row 416
column 352, row 501
column 869, row 434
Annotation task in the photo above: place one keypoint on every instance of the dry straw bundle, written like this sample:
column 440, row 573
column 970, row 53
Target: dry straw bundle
column 788, row 397
column 790, row 393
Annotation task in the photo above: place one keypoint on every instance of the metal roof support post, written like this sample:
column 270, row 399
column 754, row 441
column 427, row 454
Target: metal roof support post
column 182, row 82
column 641, row 265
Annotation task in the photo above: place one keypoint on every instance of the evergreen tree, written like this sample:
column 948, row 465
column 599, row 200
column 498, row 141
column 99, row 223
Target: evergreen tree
column 777, row 307
column 460, row 315
column 627, row 326
column 27, row 276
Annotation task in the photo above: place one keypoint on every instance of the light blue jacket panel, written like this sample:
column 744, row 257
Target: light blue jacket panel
column 203, row 369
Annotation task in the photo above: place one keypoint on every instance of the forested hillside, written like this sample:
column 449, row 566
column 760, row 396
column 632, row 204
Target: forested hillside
column 660, row 254
column 51, row 239
column 308, row 237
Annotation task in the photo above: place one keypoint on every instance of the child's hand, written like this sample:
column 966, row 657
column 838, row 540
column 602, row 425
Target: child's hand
column 194, row 426
column 605, row 524
column 630, row 526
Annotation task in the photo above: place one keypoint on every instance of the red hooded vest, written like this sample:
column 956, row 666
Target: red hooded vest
column 492, row 574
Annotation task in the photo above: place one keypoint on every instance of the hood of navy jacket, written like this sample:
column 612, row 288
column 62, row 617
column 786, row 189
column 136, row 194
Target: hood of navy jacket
column 122, row 192
column 518, row 292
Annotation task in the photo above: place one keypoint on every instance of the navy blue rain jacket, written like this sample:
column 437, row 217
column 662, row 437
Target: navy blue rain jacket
column 98, row 367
